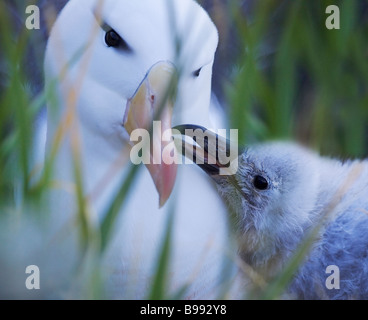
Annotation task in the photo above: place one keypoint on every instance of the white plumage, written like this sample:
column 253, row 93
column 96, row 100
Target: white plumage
column 286, row 197
column 92, row 94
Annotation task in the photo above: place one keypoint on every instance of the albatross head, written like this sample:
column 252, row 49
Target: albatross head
column 112, row 62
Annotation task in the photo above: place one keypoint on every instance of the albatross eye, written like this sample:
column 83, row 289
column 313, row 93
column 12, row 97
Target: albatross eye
column 112, row 39
column 197, row 73
column 260, row 183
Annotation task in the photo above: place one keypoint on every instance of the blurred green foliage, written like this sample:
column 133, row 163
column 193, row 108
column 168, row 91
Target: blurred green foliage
column 280, row 73
column 295, row 79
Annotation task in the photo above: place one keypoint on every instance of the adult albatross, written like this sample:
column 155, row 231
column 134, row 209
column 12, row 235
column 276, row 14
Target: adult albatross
column 109, row 64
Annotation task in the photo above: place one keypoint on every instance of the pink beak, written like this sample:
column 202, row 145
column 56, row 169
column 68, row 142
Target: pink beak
column 153, row 102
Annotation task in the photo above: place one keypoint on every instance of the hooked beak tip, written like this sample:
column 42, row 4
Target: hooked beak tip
column 207, row 149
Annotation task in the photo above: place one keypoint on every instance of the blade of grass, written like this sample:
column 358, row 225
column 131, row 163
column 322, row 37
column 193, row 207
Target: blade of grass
column 115, row 206
column 277, row 287
column 161, row 278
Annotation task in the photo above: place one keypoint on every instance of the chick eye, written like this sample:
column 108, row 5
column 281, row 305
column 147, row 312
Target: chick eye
column 197, row 73
column 260, row 183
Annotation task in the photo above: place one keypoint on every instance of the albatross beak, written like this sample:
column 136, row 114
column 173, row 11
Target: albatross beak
column 153, row 101
column 207, row 149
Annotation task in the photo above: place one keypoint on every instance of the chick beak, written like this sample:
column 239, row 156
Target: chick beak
column 207, row 150
column 153, row 101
